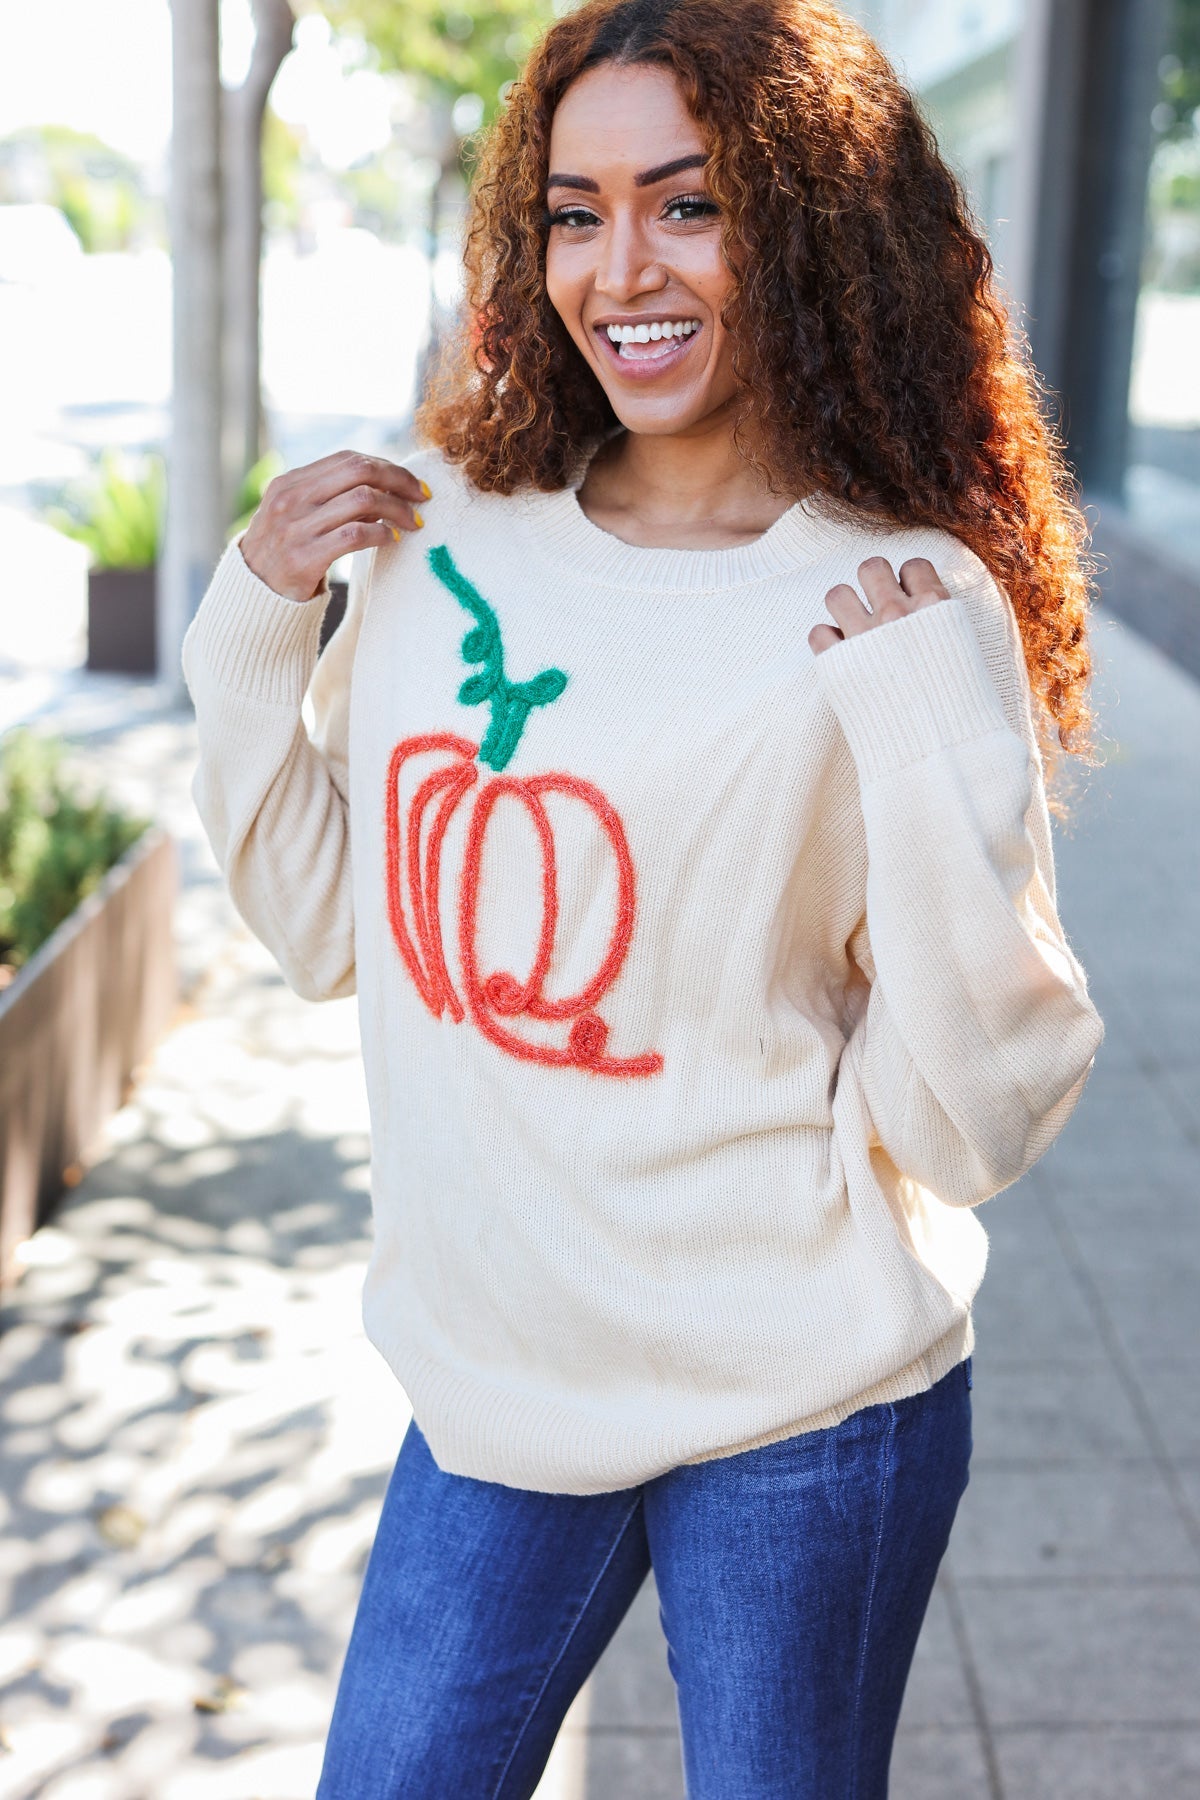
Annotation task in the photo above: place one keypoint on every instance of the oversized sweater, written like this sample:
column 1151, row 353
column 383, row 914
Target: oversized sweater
column 706, row 985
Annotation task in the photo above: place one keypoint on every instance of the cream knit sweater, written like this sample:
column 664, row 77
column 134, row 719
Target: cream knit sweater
column 706, row 985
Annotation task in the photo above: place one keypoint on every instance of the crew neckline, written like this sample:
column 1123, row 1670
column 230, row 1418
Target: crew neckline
column 568, row 537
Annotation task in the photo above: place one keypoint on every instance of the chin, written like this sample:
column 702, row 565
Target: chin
column 667, row 416
column 656, row 424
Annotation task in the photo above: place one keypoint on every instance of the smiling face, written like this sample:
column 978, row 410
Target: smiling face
column 633, row 257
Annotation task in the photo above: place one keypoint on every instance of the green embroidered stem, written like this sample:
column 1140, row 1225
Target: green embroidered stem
column 510, row 701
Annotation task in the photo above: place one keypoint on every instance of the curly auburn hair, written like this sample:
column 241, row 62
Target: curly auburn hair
column 874, row 352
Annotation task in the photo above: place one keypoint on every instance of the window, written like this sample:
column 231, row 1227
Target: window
column 1162, row 482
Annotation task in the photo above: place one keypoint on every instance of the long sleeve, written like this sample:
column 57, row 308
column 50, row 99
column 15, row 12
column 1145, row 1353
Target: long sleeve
column 979, row 1033
column 272, row 797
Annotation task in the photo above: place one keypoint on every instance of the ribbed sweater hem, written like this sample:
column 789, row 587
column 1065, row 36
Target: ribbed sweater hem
column 534, row 1429
column 914, row 1378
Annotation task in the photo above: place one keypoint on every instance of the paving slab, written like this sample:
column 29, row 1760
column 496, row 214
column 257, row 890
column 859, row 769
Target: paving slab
column 1023, row 1524
column 1170, row 1389
column 939, row 1764
column 1100, row 1763
column 1055, row 1653
column 1031, row 1306
column 1043, row 1413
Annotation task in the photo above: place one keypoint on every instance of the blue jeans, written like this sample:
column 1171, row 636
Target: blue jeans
column 792, row 1583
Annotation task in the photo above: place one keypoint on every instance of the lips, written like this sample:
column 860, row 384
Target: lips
column 639, row 361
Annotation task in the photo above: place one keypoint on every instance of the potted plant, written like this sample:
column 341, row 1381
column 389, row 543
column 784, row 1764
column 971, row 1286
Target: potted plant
column 117, row 514
column 87, row 971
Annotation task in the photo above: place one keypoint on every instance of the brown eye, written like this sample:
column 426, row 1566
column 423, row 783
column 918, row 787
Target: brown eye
column 690, row 206
column 574, row 217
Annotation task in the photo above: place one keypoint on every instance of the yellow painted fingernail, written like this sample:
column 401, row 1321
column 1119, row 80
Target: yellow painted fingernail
column 418, row 521
column 427, row 490
column 394, row 533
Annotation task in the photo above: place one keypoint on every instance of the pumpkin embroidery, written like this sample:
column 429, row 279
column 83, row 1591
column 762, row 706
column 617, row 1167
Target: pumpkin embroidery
column 414, row 851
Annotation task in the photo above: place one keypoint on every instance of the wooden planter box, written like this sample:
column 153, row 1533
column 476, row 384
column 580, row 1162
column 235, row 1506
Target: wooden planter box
column 75, row 1022
column 122, row 628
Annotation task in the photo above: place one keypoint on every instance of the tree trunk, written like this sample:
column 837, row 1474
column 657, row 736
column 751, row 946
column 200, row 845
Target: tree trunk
column 242, row 440
column 447, row 153
column 195, row 516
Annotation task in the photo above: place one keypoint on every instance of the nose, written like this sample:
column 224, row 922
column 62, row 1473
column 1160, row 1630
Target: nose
column 627, row 265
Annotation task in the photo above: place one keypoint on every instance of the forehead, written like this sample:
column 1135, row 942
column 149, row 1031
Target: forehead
column 616, row 119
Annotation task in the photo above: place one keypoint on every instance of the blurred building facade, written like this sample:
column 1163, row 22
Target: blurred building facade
column 1075, row 125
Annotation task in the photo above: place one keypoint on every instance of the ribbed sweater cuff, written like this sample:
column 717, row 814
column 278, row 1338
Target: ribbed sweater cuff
column 905, row 690
column 253, row 640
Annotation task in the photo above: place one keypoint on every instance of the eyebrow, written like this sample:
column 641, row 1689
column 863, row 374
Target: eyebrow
column 648, row 177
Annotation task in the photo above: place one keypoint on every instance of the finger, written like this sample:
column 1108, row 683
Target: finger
column 370, row 503
column 347, row 469
column 355, row 534
column 300, row 573
column 847, row 609
column 882, row 589
column 921, row 581
column 822, row 636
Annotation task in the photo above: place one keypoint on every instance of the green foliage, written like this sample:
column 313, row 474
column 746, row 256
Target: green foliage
column 1171, row 258
column 101, row 192
column 1182, row 191
column 375, row 190
column 467, row 47
column 56, row 842
column 254, row 486
column 116, row 513
column 282, row 147
column 1180, row 70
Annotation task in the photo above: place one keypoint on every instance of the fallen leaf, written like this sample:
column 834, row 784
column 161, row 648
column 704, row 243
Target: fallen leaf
column 120, row 1526
column 226, row 1696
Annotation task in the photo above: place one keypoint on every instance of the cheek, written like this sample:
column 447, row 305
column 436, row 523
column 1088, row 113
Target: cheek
column 563, row 288
column 710, row 278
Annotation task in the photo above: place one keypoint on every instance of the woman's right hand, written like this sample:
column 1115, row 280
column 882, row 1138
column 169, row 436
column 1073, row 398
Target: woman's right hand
column 312, row 515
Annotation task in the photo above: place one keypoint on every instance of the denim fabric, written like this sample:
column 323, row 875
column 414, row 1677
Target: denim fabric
column 792, row 1583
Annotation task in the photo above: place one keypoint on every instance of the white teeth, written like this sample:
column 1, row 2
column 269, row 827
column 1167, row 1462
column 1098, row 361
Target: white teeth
column 651, row 332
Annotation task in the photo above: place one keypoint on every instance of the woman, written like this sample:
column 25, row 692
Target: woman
column 674, row 801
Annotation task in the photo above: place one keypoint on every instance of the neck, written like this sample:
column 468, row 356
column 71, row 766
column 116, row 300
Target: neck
column 694, row 486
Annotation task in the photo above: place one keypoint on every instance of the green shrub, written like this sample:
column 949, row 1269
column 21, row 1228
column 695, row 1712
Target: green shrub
column 116, row 513
column 254, row 486
column 56, row 842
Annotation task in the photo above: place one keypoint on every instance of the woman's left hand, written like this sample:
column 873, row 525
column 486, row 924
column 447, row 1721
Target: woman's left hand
column 891, row 597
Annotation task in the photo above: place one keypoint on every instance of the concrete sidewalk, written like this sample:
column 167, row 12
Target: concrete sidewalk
column 195, row 1435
